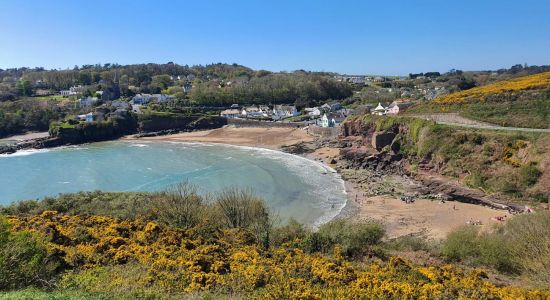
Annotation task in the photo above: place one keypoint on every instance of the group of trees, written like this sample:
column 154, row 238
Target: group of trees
column 303, row 88
column 18, row 117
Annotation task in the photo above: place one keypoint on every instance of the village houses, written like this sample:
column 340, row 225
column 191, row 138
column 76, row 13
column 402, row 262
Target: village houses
column 284, row 111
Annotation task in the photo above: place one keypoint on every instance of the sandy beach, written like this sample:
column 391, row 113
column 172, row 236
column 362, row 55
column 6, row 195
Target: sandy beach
column 270, row 138
column 429, row 218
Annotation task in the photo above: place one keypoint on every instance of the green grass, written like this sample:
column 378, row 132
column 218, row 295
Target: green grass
column 48, row 98
column 529, row 109
column 35, row 294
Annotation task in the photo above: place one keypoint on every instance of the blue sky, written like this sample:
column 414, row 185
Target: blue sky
column 355, row 37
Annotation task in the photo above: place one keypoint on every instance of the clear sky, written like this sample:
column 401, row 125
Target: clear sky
column 355, row 37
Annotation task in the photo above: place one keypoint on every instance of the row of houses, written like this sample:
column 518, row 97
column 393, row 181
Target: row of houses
column 74, row 90
column 144, row 99
column 278, row 112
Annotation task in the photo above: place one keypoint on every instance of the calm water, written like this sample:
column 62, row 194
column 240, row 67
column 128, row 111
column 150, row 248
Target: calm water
column 292, row 186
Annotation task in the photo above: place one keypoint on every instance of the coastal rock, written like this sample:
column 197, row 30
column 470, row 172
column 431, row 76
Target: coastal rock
column 382, row 139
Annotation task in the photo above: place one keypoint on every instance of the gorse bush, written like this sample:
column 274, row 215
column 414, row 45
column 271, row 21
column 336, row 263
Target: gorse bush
column 24, row 260
column 131, row 259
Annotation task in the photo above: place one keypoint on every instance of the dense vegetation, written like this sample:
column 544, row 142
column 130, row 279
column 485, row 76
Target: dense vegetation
column 300, row 87
column 512, row 164
column 216, row 84
column 177, row 243
column 19, row 117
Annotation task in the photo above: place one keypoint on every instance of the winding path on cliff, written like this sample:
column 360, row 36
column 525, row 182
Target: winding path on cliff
column 454, row 119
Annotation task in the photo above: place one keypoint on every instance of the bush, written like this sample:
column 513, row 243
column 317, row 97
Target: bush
column 529, row 237
column 466, row 244
column 241, row 208
column 179, row 206
column 355, row 239
column 24, row 260
column 529, row 174
column 461, row 244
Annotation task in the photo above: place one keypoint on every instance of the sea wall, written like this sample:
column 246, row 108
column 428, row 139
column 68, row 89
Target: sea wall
column 254, row 123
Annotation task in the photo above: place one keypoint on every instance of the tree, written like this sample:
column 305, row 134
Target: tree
column 24, row 87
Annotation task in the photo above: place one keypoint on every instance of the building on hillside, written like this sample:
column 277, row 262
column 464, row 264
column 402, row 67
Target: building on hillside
column 144, row 99
column 331, row 120
column 74, row 90
column 398, row 106
column 187, row 88
column 284, row 111
column 230, row 113
column 324, row 121
column 253, row 112
column 88, row 118
column 87, row 102
column 119, row 104
column 313, row 111
column 379, row 110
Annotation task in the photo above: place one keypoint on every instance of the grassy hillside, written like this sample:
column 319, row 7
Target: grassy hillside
column 518, row 102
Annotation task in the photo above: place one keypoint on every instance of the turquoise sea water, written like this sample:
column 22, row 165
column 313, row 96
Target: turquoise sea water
column 292, row 186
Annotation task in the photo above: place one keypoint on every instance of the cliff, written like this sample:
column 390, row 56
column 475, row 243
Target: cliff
column 507, row 166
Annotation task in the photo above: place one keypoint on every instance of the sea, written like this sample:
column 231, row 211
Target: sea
column 292, row 186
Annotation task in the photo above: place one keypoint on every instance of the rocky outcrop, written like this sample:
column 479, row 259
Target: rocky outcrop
column 379, row 140
column 38, row 143
column 378, row 152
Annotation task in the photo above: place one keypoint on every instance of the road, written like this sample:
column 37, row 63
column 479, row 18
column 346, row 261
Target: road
column 453, row 119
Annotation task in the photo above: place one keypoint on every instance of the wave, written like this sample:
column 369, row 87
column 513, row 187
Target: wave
column 25, row 152
column 324, row 180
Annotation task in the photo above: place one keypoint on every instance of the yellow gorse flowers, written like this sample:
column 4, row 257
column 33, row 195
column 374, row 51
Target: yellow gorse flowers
column 531, row 82
column 175, row 263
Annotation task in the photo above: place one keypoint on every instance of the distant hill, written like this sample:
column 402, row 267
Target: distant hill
column 531, row 82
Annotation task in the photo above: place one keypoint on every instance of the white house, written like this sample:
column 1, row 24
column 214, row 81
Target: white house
column 284, row 111
column 379, row 110
column 314, row 111
column 73, row 90
column 146, row 98
column 324, row 121
column 230, row 113
column 253, row 112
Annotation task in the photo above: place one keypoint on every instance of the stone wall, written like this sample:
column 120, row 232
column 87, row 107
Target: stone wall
column 254, row 123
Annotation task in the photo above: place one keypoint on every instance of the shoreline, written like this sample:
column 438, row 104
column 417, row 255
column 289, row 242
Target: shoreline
column 425, row 217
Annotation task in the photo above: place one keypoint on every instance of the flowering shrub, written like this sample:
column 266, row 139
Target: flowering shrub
column 532, row 82
column 118, row 256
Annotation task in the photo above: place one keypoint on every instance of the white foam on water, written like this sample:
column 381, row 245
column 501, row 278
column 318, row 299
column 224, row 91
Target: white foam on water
column 308, row 170
column 25, row 152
